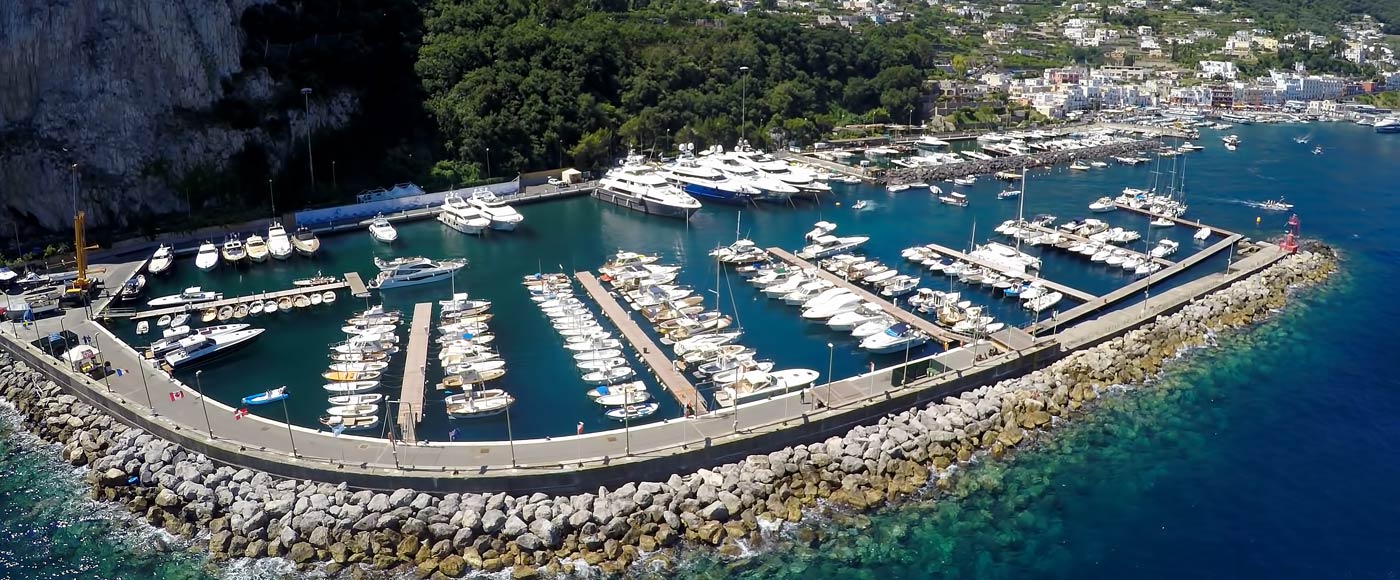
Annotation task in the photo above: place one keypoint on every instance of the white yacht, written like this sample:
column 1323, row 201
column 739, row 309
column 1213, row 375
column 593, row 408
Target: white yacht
column 503, row 217
column 1006, row 258
column 1102, row 205
column 822, row 243
column 256, row 248
column 208, row 256
column 459, row 215
column 636, row 186
column 278, row 244
column 803, row 179
column 898, row 337
column 380, row 229
column 233, row 251
column 202, row 347
column 414, row 271
column 759, row 384
column 161, row 261
column 706, row 181
column 930, row 142
column 191, row 295
column 305, row 241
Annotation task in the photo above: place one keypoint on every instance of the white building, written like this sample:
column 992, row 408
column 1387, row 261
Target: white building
column 1217, row 69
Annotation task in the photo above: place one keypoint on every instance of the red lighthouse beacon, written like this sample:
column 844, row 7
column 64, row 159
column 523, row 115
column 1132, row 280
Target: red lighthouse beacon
column 1290, row 240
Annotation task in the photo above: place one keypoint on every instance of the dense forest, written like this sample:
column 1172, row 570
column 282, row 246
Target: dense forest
column 524, row 84
column 1285, row 16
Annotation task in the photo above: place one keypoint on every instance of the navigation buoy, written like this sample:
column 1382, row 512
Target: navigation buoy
column 1256, row 220
column 838, row 204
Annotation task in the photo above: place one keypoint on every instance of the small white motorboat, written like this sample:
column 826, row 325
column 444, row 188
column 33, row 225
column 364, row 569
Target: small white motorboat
column 633, row 411
column 383, row 231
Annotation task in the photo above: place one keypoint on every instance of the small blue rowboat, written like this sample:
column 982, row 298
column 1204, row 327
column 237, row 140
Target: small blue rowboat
column 272, row 396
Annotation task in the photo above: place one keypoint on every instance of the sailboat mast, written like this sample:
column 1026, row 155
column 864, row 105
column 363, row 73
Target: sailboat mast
column 1021, row 205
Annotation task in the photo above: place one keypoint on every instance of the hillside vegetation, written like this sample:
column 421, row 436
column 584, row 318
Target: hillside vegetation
column 536, row 81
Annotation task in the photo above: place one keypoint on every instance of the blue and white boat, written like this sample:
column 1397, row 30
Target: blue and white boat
column 1388, row 126
column 707, row 183
column 264, row 398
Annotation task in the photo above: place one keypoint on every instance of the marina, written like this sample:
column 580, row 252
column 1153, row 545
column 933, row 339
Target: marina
column 1079, row 295
column 229, row 302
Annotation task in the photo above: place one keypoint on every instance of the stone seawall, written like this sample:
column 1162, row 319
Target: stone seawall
column 1014, row 163
column 238, row 512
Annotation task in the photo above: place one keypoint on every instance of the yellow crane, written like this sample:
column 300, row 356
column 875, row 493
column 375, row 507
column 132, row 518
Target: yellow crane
column 80, row 248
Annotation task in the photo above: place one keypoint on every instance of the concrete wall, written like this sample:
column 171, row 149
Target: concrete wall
column 359, row 211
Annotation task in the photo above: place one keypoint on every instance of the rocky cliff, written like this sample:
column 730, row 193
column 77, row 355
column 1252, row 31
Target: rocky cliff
column 129, row 91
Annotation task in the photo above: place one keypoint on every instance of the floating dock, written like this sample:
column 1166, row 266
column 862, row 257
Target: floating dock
column 1177, row 220
column 933, row 330
column 651, row 354
column 357, row 285
column 414, row 379
column 1144, row 285
column 1078, row 238
column 249, row 299
column 1076, row 294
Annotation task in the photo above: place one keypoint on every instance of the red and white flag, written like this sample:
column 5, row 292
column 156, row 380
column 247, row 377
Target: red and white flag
column 176, row 395
column 580, row 427
column 240, row 413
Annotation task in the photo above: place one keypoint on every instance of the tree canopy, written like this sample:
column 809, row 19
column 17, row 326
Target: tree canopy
column 534, row 80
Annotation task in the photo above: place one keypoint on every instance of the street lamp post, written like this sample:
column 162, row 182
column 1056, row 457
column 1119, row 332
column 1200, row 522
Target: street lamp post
column 272, row 197
column 288, row 418
column 334, row 185
column 310, row 163
column 200, row 385
column 141, row 364
column 488, row 163
column 743, row 100
column 830, row 358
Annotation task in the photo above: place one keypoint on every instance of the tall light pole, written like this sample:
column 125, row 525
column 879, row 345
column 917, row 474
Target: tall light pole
column 830, row 357
column 200, row 385
column 310, row 163
column 333, row 181
column 272, row 198
column 488, row 163
column 743, row 100
column 73, row 170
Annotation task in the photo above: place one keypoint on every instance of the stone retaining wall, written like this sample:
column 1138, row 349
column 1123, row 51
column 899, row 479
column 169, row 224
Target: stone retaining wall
column 253, row 514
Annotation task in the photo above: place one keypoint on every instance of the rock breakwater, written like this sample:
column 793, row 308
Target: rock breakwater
column 1013, row 163
column 238, row 512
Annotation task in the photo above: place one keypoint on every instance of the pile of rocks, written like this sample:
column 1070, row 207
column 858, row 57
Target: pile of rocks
column 254, row 514
column 1013, row 163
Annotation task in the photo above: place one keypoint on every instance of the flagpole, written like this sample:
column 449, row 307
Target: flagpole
column 287, row 416
column 141, row 364
column 105, row 380
column 200, row 385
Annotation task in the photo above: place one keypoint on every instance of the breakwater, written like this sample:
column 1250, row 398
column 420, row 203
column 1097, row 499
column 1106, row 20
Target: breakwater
column 1013, row 163
column 253, row 514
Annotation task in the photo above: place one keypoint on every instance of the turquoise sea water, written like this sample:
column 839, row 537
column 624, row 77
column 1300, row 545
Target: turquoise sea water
column 1271, row 454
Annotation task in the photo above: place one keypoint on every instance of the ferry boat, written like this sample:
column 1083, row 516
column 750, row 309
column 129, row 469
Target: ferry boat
column 459, row 215
column 641, row 188
column 203, row 347
column 412, row 272
column 503, row 217
column 162, row 260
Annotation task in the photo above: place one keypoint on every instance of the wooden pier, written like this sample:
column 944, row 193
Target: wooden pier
column 655, row 358
column 1177, row 220
column 1076, row 294
column 414, row 378
column 357, row 285
column 1060, row 319
column 933, row 330
column 249, row 299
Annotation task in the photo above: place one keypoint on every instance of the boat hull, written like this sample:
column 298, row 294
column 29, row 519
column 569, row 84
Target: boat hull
column 716, row 194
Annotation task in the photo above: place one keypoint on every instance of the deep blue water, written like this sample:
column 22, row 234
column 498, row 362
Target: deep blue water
column 1272, row 454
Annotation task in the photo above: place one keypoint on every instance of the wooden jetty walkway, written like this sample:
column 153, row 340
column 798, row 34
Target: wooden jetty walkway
column 414, row 378
column 933, row 330
column 655, row 358
column 195, row 308
column 356, row 284
column 1074, row 293
column 1078, row 238
column 1060, row 319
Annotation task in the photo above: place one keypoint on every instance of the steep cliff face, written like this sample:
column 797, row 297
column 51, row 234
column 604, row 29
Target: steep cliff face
column 125, row 89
